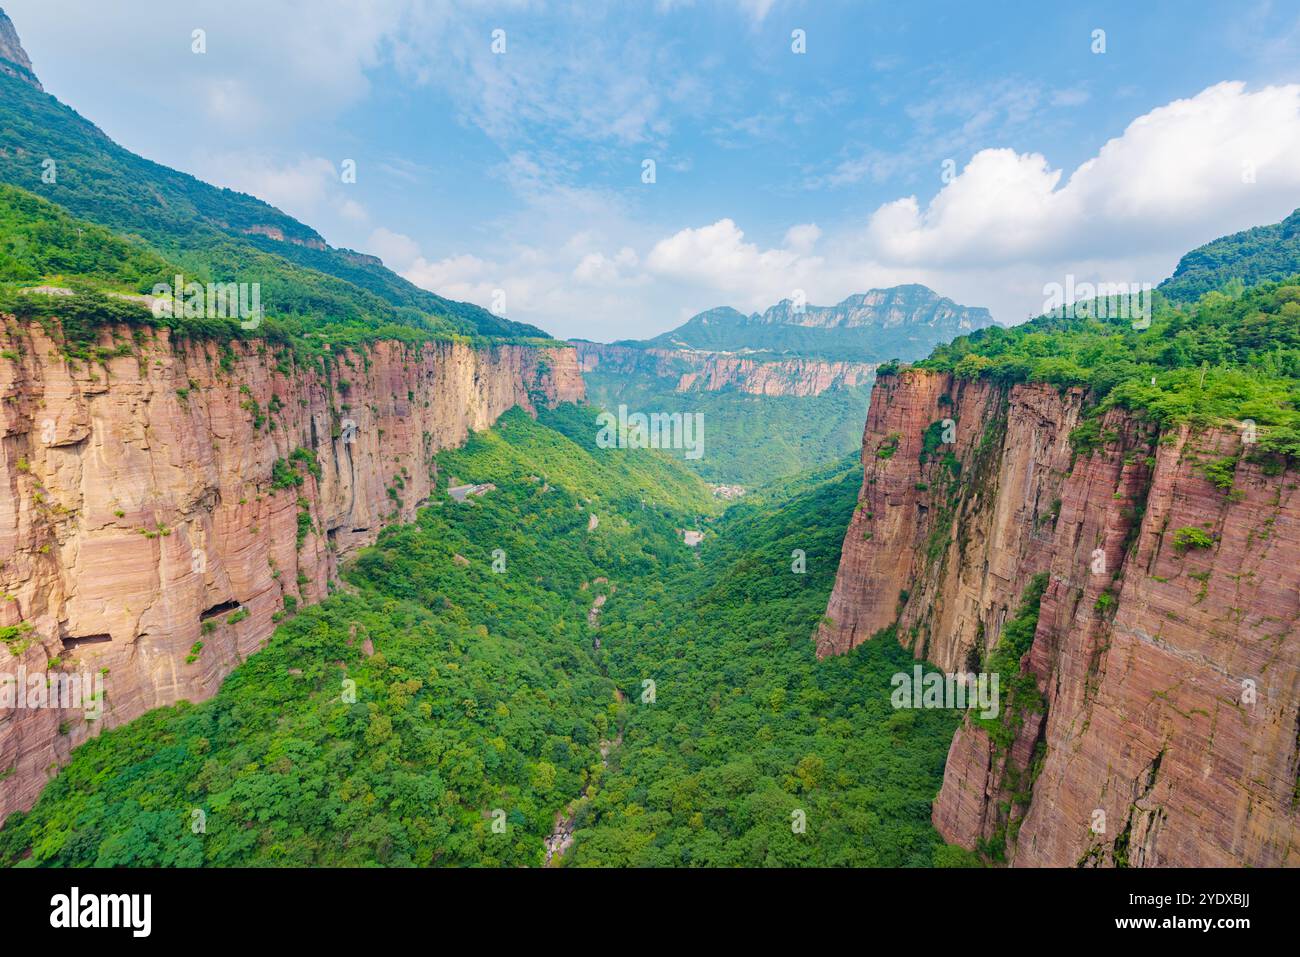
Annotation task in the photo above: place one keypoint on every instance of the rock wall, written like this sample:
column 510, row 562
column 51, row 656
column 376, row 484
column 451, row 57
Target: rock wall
column 715, row 371
column 1169, row 674
column 13, row 58
column 140, row 513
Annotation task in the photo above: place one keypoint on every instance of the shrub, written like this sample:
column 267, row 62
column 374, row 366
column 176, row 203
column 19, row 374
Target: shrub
column 1221, row 472
column 1189, row 537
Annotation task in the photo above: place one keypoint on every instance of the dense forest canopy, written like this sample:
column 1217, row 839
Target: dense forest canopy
column 1248, row 258
column 1232, row 356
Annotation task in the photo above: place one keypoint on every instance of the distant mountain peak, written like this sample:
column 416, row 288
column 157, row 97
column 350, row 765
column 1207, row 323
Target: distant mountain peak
column 867, row 326
column 13, row 58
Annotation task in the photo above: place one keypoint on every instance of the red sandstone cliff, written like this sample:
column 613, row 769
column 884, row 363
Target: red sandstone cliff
column 715, row 371
column 138, row 513
column 1169, row 676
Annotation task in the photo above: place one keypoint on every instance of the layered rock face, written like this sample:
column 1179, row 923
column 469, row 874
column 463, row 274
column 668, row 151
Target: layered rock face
column 715, row 371
column 1166, row 654
column 153, row 500
column 13, row 58
column 900, row 305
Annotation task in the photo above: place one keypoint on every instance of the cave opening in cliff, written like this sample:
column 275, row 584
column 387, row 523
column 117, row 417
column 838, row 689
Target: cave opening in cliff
column 76, row 641
column 218, row 610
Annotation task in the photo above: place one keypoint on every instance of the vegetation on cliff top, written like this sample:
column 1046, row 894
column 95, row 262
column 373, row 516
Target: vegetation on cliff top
column 1233, row 356
column 1248, row 258
column 41, row 245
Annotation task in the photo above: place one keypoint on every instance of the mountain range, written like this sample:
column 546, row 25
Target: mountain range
column 880, row 324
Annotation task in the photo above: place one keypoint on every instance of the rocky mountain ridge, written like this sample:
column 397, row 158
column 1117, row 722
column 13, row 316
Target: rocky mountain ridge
column 899, row 322
column 13, row 58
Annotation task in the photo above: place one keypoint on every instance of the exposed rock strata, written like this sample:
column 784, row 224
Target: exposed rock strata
column 139, row 514
column 715, row 371
column 1147, row 655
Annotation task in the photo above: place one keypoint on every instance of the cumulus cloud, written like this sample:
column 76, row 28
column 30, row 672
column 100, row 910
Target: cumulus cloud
column 802, row 238
column 749, row 276
column 596, row 267
column 305, row 187
column 718, row 256
column 596, row 261
column 296, row 65
column 458, row 277
column 1185, row 172
column 1009, row 223
column 398, row 252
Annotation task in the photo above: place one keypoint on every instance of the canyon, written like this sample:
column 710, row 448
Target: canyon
column 171, row 499
column 1165, row 654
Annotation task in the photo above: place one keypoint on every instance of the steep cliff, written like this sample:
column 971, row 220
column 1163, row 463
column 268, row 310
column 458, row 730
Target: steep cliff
column 166, row 502
column 691, row 371
column 1154, row 717
column 13, row 58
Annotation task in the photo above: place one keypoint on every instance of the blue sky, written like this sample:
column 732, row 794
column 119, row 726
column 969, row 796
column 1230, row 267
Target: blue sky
column 775, row 171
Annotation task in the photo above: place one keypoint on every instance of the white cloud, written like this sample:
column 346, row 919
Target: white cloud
column 1172, row 180
column 802, row 238
column 398, row 252
column 580, row 259
column 306, row 187
column 304, row 58
column 458, row 277
column 1011, row 222
column 596, row 267
column 1005, row 226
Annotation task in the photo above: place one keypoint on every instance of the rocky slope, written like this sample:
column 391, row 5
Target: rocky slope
column 13, row 58
column 690, row 371
column 141, row 513
column 1169, row 672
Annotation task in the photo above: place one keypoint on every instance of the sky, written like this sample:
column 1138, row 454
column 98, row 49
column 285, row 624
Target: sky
column 501, row 149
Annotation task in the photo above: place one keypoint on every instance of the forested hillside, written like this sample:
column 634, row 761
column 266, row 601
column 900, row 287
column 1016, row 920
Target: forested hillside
column 749, row 439
column 1252, row 256
column 212, row 234
column 92, row 277
column 749, row 734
